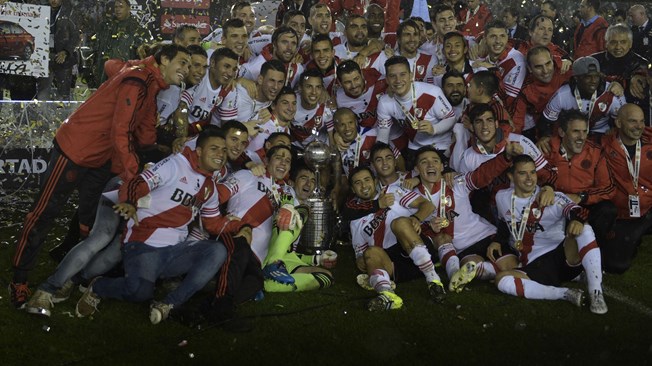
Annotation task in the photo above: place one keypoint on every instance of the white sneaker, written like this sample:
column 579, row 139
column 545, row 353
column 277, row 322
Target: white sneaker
column 63, row 293
column 159, row 311
column 597, row 305
column 575, row 296
column 463, row 276
column 40, row 303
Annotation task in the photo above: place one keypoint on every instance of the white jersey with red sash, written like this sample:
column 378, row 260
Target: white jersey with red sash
column 359, row 151
column 256, row 145
column 375, row 229
column 251, row 70
column 202, row 99
column 423, row 102
column 601, row 109
column 305, row 121
column 238, row 105
column 546, row 226
column 255, row 200
column 465, row 226
column 365, row 105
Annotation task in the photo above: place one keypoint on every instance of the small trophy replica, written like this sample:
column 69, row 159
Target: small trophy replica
column 318, row 233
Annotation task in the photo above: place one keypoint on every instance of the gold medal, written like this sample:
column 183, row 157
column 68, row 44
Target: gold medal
column 444, row 223
column 519, row 245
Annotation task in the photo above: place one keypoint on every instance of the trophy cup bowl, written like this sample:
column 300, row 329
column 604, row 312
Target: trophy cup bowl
column 317, row 234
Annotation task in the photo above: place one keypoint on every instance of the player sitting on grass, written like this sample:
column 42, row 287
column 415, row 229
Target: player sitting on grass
column 553, row 243
column 387, row 242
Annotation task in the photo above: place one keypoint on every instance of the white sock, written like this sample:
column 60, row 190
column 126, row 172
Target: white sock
column 529, row 289
column 448, row 257
column 486, row 271
column 422, row 259
column 380, row 281
column 592, row 264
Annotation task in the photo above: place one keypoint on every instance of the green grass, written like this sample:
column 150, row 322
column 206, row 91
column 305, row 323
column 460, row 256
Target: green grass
column 330, row 327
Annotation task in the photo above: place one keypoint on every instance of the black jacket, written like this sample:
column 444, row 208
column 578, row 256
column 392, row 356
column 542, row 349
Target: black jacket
column 639, row 44
column 66, row 35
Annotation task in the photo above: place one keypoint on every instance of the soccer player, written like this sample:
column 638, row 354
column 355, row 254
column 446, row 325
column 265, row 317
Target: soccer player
column 455, row 51
column 543, row 80
column 483, row 88
column 422, row 111
column 469, row 234
column 628, row 156
column 324, row 60
column 283, row 108
column 508, row 63
column 541, row 30
column 267, row 203
column 181, row 188
column 98, row 140
column 355, row 149
column 208, row 94
column 589, row 93
column 490, row 140
column 360, row 91
column 312, row 118
column 240, row 105
column 285, row 42
column 552, row 243
column 387, row 242
column 421, row 64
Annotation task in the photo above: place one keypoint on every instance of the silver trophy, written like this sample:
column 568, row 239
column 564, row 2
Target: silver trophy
column 318, row 232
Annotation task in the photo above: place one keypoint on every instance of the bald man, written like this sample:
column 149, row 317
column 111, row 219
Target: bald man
column 628, row 155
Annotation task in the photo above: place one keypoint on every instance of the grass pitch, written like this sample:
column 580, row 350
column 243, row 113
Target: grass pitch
column 479, row 326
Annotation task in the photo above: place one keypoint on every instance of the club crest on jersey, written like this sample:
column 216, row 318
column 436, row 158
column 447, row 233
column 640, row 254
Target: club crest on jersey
column 366, row 154
column 449, row 201
column 536, row 213
column 219, row 100
column 602, row 106
column 418, row 112
column 317, row 121
column 420, row 69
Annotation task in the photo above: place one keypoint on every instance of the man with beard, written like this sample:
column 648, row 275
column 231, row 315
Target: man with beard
column 582, row 172
column 360, row 91
column 421, row 64
column 285, row 43
column 587, row 92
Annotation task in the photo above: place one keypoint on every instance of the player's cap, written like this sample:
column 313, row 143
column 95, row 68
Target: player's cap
column 585, row 65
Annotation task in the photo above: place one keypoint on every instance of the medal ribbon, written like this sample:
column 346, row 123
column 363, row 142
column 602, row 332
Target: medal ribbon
column 518, row 231
column 635, row 166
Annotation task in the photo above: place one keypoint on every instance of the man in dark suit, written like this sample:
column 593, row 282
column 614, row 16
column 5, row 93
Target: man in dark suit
column 512, row 17
column 641, row 30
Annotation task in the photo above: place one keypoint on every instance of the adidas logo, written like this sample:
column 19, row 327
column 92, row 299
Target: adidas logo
column 183, row 180
column 202, row 99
